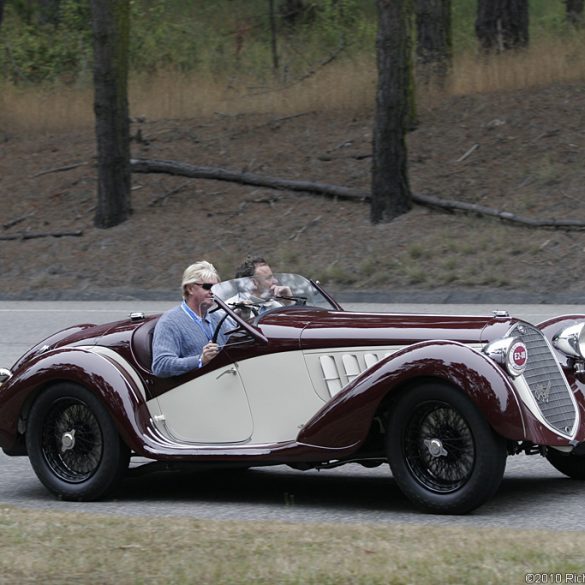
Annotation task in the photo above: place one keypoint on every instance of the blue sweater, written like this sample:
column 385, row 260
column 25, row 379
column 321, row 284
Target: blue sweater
column 178, row 341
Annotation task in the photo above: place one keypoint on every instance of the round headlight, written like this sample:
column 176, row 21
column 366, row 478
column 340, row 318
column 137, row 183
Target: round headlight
column 571, row 341
column 510, row 352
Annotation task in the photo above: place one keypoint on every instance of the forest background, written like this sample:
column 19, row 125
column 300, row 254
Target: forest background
column 504, row 131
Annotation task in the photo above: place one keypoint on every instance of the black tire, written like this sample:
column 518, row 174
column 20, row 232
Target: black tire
column 73, row 444
column 572, row 466
column 443, row 454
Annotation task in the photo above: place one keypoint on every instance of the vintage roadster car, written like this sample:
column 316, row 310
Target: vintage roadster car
column 443, row 399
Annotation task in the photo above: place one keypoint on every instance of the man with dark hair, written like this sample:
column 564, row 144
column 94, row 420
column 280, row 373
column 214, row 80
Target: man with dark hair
column 265, row 293
column 248, row 266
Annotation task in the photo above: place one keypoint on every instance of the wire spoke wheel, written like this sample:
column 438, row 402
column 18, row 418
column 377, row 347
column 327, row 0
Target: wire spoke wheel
column 439, row 447
column 443, row 453
column 72, row 441
column 73, row 444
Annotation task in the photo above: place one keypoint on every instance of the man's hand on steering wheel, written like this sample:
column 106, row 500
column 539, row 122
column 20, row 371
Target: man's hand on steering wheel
column 209, row 352
column 280, row 291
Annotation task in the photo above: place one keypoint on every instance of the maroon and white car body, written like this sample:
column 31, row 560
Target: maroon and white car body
column 443, row 399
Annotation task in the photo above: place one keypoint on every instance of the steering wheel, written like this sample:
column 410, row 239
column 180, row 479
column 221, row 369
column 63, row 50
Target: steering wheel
column 240, row 308
column 241, row 325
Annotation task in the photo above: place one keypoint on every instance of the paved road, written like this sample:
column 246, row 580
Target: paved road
column 533, row 494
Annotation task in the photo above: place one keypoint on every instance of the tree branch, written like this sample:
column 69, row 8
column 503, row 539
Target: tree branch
column 17, row 220
column 58, row 169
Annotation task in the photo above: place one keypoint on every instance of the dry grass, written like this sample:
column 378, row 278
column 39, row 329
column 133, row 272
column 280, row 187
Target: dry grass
column 547, row 62
column 56, row 548
column 341, row 86
column 175, row 96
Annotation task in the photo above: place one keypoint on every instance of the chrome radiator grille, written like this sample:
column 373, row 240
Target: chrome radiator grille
column 546, row 380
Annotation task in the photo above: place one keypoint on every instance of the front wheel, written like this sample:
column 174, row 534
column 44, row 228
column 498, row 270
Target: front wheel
column 73, row 444
column 572, row 466
column 443, row 454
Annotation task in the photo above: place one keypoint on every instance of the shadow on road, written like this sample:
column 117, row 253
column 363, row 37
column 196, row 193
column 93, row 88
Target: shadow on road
column 334, row 491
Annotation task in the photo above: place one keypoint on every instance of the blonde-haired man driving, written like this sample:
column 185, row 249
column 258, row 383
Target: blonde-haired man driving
column 183, row 336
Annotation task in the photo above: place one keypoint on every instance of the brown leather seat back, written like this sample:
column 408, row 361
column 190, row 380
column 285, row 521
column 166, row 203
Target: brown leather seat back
column 142, row 343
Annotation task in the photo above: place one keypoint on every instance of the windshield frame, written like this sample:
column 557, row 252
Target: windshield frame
column 304, row 292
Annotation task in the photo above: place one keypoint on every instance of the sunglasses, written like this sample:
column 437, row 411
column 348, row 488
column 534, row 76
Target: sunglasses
column 205, row 285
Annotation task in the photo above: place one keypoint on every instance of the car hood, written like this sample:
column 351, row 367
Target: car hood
column 318, row 328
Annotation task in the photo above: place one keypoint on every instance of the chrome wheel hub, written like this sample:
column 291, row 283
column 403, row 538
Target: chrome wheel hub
column 435, row 448
column 67, row 441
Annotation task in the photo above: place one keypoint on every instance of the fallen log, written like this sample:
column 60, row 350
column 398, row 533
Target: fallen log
column 33, row 235
column 170, row 167
column 244, row 178
column 452, row 205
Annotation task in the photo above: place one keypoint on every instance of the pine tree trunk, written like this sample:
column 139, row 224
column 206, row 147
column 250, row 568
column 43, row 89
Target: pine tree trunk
column 434, row 47
column 273, row 35
column 111, row 23
column 575, row 12
column 502, row 24
column 391, row 195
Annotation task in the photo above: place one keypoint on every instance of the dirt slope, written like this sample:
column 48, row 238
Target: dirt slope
column 529, row 159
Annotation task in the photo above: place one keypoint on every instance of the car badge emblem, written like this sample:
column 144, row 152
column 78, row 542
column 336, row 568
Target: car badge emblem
column 519, row 355
column 542, row 392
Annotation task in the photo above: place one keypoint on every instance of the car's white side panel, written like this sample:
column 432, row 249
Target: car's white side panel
column 261, row 400
column 281, row 395
column 217, row 407
column 286, row 389
column 210, row 409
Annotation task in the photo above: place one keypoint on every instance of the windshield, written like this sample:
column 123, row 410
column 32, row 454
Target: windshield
column 283, row 290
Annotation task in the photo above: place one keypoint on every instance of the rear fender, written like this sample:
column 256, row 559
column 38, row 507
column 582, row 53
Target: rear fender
column 102, row 373
column 346, row 419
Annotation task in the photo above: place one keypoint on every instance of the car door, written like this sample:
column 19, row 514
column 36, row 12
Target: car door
column 212, row 408
column 281, row 395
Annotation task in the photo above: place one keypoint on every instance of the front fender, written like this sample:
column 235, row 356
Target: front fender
column 552, row 327
column 346, row 419
column 108, row 379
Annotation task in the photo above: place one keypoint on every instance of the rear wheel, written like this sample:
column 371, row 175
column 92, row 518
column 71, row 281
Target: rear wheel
column 73, row 444
column 443, row 454
column 571, row 465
